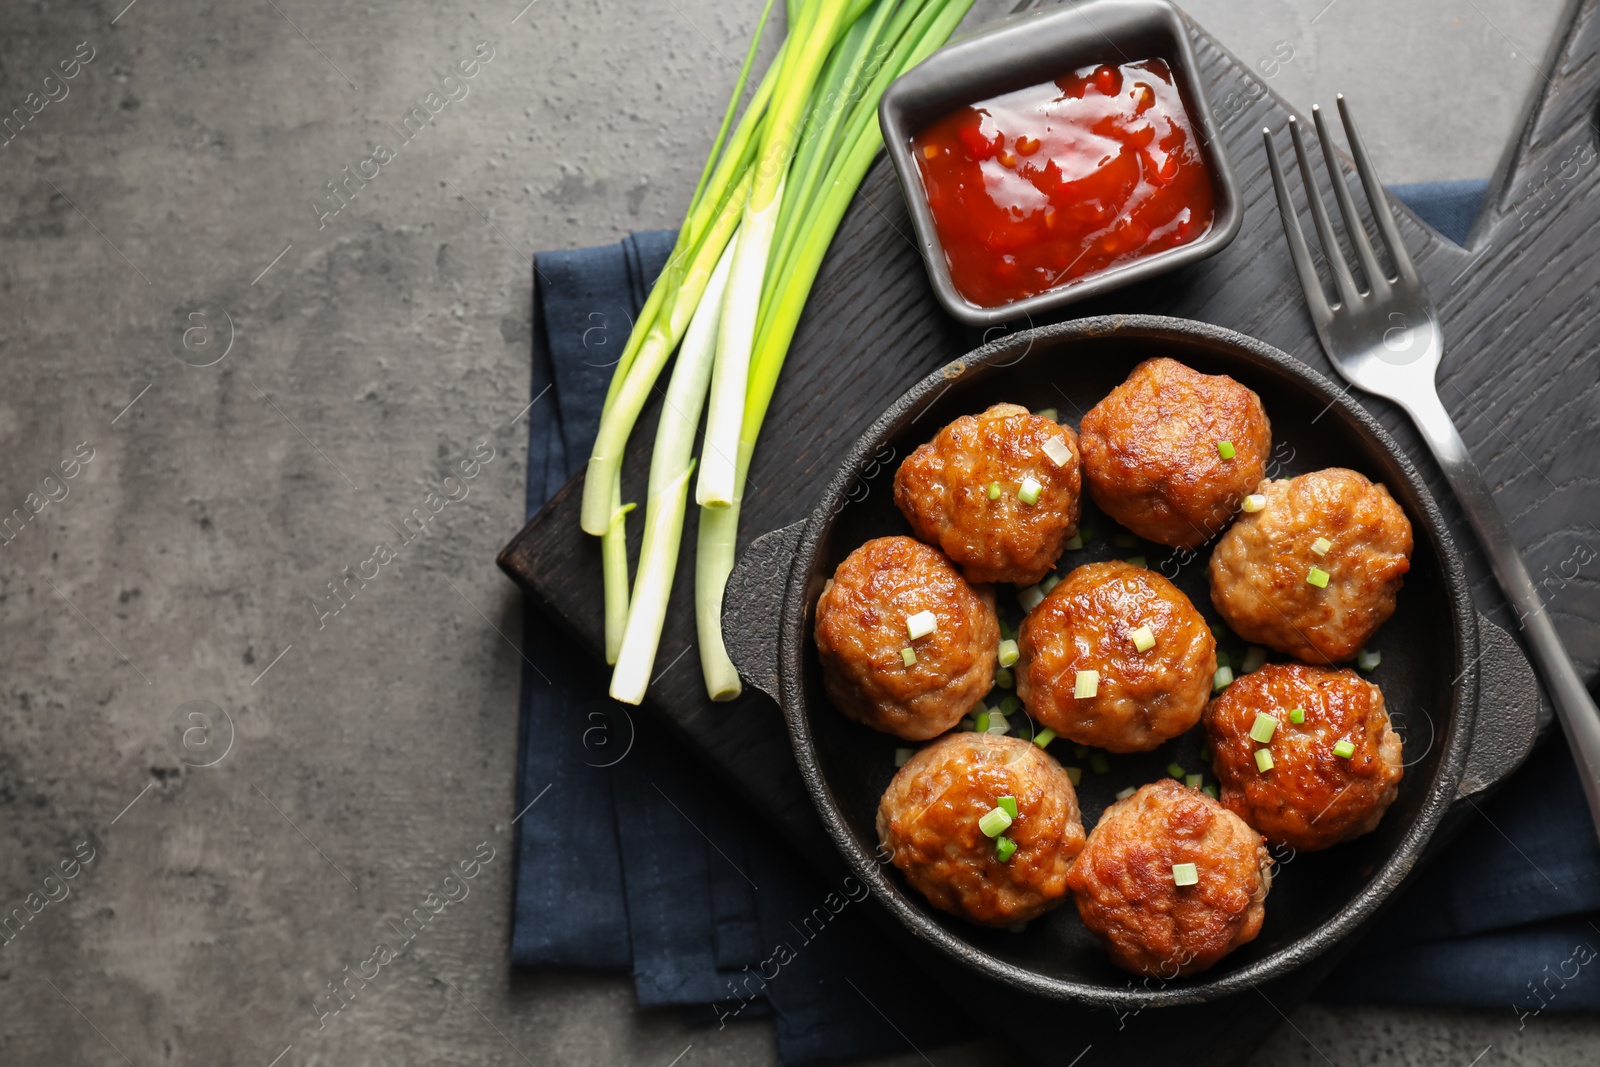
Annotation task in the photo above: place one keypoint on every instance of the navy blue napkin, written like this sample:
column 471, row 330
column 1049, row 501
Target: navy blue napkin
column 1449, row 207
column 628, row 857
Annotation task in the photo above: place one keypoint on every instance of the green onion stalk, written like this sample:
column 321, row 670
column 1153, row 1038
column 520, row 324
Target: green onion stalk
column 916, row 31
column 820, row 25
column 671, row 465
column 779, row 105
column 771, row 196
column 708, row 228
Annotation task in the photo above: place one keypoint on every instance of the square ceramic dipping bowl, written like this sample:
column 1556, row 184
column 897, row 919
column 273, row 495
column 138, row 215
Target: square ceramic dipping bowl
column 1029, row 50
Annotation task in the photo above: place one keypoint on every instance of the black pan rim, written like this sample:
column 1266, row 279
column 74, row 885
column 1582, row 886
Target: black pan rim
column 1442, row 790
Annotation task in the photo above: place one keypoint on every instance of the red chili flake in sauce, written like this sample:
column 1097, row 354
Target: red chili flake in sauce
column 1039, row 187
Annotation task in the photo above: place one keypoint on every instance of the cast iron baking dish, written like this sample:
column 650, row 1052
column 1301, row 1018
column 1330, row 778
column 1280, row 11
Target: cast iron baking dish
column 1429, row 673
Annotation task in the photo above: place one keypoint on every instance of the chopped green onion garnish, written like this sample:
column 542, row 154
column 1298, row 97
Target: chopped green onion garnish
column 1175, row 769
column 908, row 656
column 1193, row 780
column 1081, row 751
column 1124, row 794
column 995, row 490
column 1321, row 545
column 998, row 723
column 1261, row 730
column 1087, row 533
column 1086, row 684
column 1124, row 540
column 1254, row 502
column 1138, row 561
column 1368, row 659
column 921, row 624
column 1074, row 543
column 1344, row 748
column 1209, row 790
column 1050, row 582
column 1044, row 737
column 1255, row 657
column 1205, row 753
column 1185, row 874
column 1144, row 639
column 1010, row 705
column 1028, row 493
column 1074, row 773
column 1225, row 449
column 1218, row 631
column 1317, row 577
column 994, row 822
column 1098, row 763
column 1222, row 679
column 1008, row 652
column 1004, row 847
column 1004, row 678
column 981, row 722
column 1263, row 760
column 1058, row 451
column 1007, row 630
column 901, row 755
column 1009, row 803
column 1047, row 413
column 1222, row 659
column 1297, row 715
column 1030, row 597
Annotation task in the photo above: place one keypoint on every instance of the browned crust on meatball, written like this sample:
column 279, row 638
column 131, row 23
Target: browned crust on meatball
column 1150, row 451
column 1311, row 798
column 861, row 630
column 928, row 819
column 1087, row 623
column 1259, row 567
column 1127, row 896
column 943, row 490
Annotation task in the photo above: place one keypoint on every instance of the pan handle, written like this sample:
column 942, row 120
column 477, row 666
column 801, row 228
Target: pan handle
column 752, row 605
column 1511, row 710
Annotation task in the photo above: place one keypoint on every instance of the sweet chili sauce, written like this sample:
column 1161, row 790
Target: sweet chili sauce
column 1039, row 187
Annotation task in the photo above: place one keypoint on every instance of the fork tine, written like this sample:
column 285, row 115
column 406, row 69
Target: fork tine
column 1342, row 281
column 1377, row 282
column 1376, row 198
column 1315, row 297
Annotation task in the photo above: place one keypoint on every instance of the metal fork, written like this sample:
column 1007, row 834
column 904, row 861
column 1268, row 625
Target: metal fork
column 1386, row 340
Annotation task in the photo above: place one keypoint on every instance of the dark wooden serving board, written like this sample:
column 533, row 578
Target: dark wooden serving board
column 1521, row 375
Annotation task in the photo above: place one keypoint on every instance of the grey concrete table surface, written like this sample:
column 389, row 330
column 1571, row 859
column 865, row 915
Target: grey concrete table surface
column 261, row 350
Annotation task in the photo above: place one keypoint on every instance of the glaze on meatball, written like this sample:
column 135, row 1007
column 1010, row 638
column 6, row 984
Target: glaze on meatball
column 928, row 819
column 1129, row 898
column 1089, row 622
column 861, row 632
column 943, row 490
column 1150, row 451
column 1312, row 797
column 1260, row 567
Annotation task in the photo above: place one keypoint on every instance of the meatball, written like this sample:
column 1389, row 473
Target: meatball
column 1152, row 451
column 1095, row 619
column 1311, row 796
column 863, row 621
column 1128, row 890
column 928, row 819
column 1336, row 521
column 965, row 492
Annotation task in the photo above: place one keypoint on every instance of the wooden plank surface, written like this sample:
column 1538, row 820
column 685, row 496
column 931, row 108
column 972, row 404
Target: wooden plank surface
column 1521, row 376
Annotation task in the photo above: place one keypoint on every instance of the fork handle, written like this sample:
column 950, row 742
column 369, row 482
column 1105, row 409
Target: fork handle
column 1574, row 706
